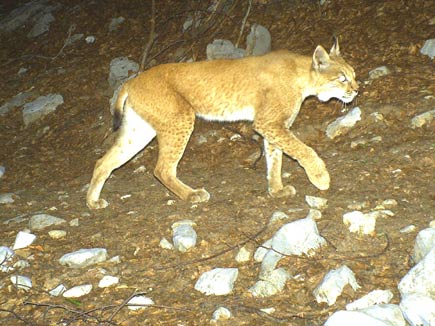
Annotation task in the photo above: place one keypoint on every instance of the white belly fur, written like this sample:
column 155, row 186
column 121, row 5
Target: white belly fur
column 246, row 113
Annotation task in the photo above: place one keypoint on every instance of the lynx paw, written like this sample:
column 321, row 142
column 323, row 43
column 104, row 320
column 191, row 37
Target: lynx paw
column 287, row 191
column 320, row 180
column 97, row 204
column 199, row 196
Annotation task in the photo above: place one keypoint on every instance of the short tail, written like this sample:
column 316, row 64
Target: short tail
column 119, row 108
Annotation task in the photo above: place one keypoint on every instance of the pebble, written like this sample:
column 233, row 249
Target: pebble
column 429, row 48
column 343, row 124
column 259, row 41
column 41, row 221
column 270, row 283
column 77, row 291
column 7, row 198
column 218, row 281
column 84, row 257
column 184, row 236
column 422, row 119
column 23, row 240
column 57, row 234
column 278, row 216
column 74, row 222
column 21, row 282
column 220, row 313
column 2, row 170
column 364, row 224
column 139, row 302
column 316, row 202
column 107, row 281
column 408, row 229
column 58, row 290
column 370, row 299
column 90, row 39
column 165, row 244
column 424, row 242
column 333, row 284
column 379, row 315
column 43, row 105
column 378, row 72
column 243, row 255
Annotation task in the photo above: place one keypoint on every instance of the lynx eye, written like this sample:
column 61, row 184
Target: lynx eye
column 342, row 78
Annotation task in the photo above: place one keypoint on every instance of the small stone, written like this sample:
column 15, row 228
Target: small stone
column 343, row 124
column 139, row 302
column 84, row 257
column 7, row 198
column 6, row 255
column 408, row 229
column 422, row 119
column 220, row 313
column 165, row 244
column 223, row 49
column 268, row 311
column 21, row 282
column 270, row 283
column 259, row 41
column 360, row 223
column 424, row 242
column 21, row 264
column 184, row 236
column 74, row 222
column 114, row 260
column 57, row 234
column 43, row 105
column 218, row 281
column 333, row 284
column 90, row 39
column 278, row 216
column 58, row 290
column 115, row 23
column 23, row 240
column 41, row 221
column 432, row 224
column 378, row 72
column 119, row 71
column 429, row 48
column 78, row 291
column 370, row 299
column 243, row 255
column 107, row 281
column 2, row 170
column 316, row 202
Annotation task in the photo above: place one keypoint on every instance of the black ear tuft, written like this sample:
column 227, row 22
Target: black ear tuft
column 335, row 50
column 320, row 58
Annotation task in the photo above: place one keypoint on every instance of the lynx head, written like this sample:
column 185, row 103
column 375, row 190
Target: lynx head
column 334, row 77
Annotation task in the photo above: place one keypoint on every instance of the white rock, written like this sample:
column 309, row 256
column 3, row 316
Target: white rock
column 220, row 313
column 21, row 282
column 278, row 216
column 139, row 302
column 57, row 234
column 6, row 255
column 43, row 105
column 421, row 278
column 432, row 224
column 429, row 48
column 343, row 124
column 223, row 49
column 270, row 283
column 419, row 310
column 243, row 255
column 41, row 221
column 294, row 238
column 422, row 119
column 7, row 198
column 2, row 170
column 370, row 299
column 84, row 257
column 333, row 283
column 23, row 240
column 77, row 291
column 17, row 101
column 379, row 315
column 119, row 71
column 378, row 72
column 58, row 290
column 218, row 281
column 316, row 202
column 408, row 229
column 165, row 244
column 107, row 281
column 42, row 25
column 90, row 39
column 183, row 236
column 262, row 251
column 259, row 41
column 424, row 242
column 115, row 23
column 74, row 222
column 20, row 264
column 360, row 223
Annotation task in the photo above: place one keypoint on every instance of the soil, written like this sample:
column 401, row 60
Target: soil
column 49, row 163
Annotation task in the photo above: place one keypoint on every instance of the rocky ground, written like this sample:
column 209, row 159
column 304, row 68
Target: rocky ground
column 48, row 164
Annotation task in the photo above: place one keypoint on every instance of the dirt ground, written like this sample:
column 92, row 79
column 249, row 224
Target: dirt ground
column 49, row 163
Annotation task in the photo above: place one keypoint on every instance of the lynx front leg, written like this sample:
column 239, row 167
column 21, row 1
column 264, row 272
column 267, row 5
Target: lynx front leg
column 282, row 138
column 172, row 144
column 274, row 165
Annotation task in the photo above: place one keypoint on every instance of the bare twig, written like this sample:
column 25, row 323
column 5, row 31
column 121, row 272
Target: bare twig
column 152, row 36
column 242, row 28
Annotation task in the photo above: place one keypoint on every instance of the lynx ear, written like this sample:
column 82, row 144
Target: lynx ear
column 335, row 50
column 320, row 58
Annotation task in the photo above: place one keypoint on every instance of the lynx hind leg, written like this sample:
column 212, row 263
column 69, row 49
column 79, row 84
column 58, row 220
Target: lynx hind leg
column 134, row 134
column 172, row 144
column 274, row 166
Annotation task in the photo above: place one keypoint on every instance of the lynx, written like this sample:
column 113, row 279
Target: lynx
column 267, row 90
